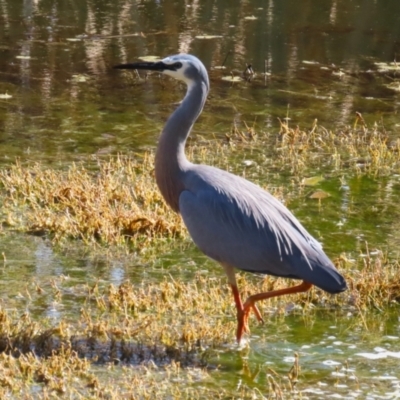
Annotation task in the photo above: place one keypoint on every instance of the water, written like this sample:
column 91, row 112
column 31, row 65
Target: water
column 56, row 64
column 60, row 101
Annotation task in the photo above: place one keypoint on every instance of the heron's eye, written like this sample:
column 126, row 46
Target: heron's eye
column 172, row 67
column 176, row 66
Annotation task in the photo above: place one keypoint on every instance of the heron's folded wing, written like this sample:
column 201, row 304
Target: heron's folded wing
column 228, row 231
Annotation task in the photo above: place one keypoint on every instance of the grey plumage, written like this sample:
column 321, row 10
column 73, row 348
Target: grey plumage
column 236, row 222
column 232, row 220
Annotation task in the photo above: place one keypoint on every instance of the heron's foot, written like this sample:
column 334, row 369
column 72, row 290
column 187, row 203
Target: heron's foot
column 243, row 318
column 250, row 305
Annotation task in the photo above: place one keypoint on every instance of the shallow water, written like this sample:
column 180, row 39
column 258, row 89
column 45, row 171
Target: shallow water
column 348, row 353
column 67, row 103
column 60, row 101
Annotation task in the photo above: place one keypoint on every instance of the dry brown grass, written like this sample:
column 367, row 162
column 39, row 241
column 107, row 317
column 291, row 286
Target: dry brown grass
column 159, row 328
column 373, row 281
column 116, row 205
column 125, row 326
column 154, row 331
column 356, row 149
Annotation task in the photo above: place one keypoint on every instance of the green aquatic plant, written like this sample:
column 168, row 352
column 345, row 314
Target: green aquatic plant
column 116, row 202
column 120, row 336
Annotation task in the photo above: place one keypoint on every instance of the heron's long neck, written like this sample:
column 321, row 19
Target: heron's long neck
column 171, row 161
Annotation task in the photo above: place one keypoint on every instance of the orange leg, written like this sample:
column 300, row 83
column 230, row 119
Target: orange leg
column 243, row 311
column 241, row 316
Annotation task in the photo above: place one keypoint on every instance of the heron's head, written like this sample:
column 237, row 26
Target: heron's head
column 184, row 67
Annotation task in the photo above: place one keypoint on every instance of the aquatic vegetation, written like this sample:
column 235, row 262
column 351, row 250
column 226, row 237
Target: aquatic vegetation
column 143, row 332
column 162, row 329
column 120, row 340
column 356, row 149
column 116, row 204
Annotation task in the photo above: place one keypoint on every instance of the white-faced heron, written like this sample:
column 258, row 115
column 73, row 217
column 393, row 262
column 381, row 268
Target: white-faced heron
column 232, row 220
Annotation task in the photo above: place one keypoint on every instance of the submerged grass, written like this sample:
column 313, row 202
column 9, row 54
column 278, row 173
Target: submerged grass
column 358, row 149
column 144, row 333
column 118, row 203
column 161, row 328
column 114, row 205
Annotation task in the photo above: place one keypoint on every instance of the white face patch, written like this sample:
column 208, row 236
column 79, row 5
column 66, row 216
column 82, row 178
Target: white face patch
column 180, row 73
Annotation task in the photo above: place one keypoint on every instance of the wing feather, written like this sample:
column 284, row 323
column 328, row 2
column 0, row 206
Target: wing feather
column 236, row 222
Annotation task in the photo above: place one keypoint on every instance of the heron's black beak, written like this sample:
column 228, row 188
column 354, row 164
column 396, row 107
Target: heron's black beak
column 152, row 66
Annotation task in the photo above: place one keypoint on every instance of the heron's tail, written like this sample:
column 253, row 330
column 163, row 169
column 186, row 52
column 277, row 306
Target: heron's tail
column 324, row 275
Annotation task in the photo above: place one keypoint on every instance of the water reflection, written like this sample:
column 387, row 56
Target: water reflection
column 318, row 54
column 46, row 263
